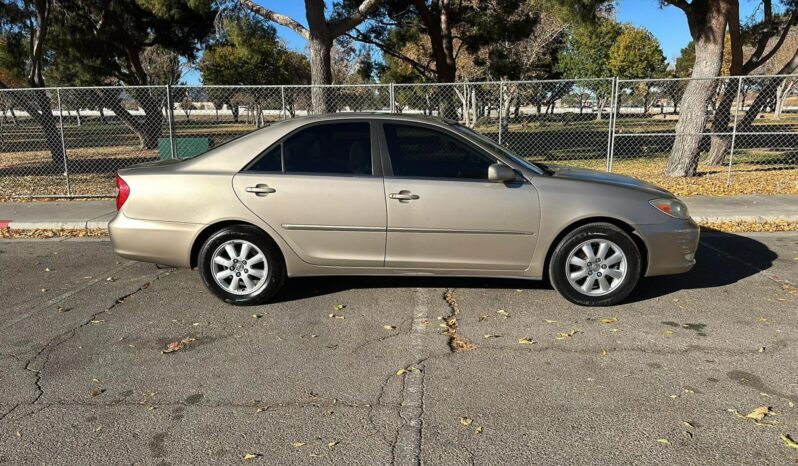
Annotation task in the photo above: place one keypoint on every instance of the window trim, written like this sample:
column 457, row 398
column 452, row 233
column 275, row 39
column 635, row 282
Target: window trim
column 376, row 159
column 386, row 156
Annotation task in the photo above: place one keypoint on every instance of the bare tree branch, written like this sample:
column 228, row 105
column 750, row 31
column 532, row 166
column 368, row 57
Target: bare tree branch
column 278, row 18
column 422, row 69
column 681, row 4
column 756, row 61
column 363, row 11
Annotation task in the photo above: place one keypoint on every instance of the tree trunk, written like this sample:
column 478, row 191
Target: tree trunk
column 102, row 116
column 148, row 130
column 39, row 108
column 320, row 74
column 77, row 113
column 721, row 143
column 707, row 26
column 600, row 101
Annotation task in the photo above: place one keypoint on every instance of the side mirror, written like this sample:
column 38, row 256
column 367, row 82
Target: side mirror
column 499, row 173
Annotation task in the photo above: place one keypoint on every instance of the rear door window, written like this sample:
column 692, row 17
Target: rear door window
column 330, row 148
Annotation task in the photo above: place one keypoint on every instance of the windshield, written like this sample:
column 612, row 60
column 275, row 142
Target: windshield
column 501, row 149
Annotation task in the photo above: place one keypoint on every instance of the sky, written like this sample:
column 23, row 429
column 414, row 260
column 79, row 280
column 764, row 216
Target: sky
column 668, row 24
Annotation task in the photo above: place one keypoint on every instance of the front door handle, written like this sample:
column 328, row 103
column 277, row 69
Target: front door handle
column 403, row 196
column 260, row 190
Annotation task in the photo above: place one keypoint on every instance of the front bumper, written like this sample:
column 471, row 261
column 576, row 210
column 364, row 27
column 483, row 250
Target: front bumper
column 671, row 246
column 167, row 243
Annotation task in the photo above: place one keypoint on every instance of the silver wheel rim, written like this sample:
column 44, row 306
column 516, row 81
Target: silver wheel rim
column 239, row 267
column 596, row 267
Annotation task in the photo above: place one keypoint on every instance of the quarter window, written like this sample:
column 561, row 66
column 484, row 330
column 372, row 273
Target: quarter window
column 421, row 152
column 335, row 148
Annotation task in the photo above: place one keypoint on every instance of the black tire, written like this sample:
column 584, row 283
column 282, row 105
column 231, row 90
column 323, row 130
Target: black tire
column 559, row 268
column 274, row 276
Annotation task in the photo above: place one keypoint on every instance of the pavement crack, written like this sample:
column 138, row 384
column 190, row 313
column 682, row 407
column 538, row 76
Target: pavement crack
column 4, row 415
column 457, row 343
column 63, row 337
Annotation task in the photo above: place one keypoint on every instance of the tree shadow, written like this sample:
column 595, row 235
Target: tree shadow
column 722, row 259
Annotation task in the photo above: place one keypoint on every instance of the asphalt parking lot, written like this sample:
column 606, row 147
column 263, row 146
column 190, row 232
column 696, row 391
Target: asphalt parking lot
column 362, row 371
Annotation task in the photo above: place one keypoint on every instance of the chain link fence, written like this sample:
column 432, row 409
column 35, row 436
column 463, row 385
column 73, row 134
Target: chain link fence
column 69, row 142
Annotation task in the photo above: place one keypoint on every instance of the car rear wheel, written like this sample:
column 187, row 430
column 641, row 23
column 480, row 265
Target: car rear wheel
column 595, row 265
column 240, row 266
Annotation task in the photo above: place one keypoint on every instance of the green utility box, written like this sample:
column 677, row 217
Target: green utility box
column 184, row 147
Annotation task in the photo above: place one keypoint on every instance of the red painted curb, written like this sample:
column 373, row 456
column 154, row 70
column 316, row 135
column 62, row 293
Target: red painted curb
column 5, row 223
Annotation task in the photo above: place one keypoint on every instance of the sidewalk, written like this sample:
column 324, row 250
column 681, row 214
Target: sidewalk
column 97, row 214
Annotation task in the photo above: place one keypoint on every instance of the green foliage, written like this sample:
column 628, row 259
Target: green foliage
column 636, row 54
column 251, row 53
column 683, row 67
column 587, row 52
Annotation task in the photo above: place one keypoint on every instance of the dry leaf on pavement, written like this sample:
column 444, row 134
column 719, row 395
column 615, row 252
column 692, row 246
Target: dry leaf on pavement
column 178, row 345
column 788, row 441
column 466, row 421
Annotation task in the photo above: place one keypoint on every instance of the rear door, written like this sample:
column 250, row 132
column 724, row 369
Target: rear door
column 321, row 188
column 443, row 213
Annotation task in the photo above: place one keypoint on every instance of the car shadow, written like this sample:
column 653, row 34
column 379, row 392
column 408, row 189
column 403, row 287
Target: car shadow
column 722, row 259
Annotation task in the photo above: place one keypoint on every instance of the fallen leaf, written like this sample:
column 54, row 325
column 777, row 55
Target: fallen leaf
column 668, row 333
column 94, row 393
column 791, row 404
column 488, row 336
column 503, row 313
column 478, row 430
column 336, row 316
column 526, row 341
column 340, row 307
column 609, row 320
column 687, row 424
column 389, row 327
column 97, row 321
column 549, row 321
column 297, row 444
column 761, row 350
column 262, row 409
column 110, row 279
column 257, row 316
column 616, row 330
column 663, row 441
column 331, row 445
column 47, row 269
column 482, row 318
column 178, row 345
column 759, row 413
column 788, row 441
column 401, row 372
column 466, row 421
column 563, row 336
column 250, row 456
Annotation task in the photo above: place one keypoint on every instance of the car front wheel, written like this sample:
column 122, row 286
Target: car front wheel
column 595, row 265
column 240, row 266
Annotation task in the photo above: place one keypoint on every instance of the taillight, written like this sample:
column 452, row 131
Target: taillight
column 122, row 192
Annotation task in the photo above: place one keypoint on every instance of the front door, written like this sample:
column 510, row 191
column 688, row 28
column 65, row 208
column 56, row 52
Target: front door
column 321, row 191
column 443, row 213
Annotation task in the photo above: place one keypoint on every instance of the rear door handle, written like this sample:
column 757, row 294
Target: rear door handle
column 260, row 190
column 403, row 196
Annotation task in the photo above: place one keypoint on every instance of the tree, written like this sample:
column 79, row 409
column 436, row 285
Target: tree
column 25, row 28
column 636, row 54
column 587, row 56
column 707, row 22
column 321, row 32
column 138, row 43
column 767, row 38
column 248, row 51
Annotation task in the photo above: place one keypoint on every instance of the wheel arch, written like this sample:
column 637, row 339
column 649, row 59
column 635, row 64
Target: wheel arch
column 627, row 228
column 212, row 228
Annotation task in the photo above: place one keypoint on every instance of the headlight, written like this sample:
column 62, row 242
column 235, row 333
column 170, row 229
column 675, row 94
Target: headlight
column 673, row 207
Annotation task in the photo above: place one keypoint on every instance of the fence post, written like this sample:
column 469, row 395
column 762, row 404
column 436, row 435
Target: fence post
column 282, row 100
column 63, row 142
column 501, row 109
column 734, row 129
column 392, row 96
column 170, row 115
column 613, row 119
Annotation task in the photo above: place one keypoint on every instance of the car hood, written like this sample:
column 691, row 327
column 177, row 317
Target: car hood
column 595, row 176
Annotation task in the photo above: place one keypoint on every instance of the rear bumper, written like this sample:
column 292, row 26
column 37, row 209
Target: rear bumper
column 167, row 243
column 671, row 246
